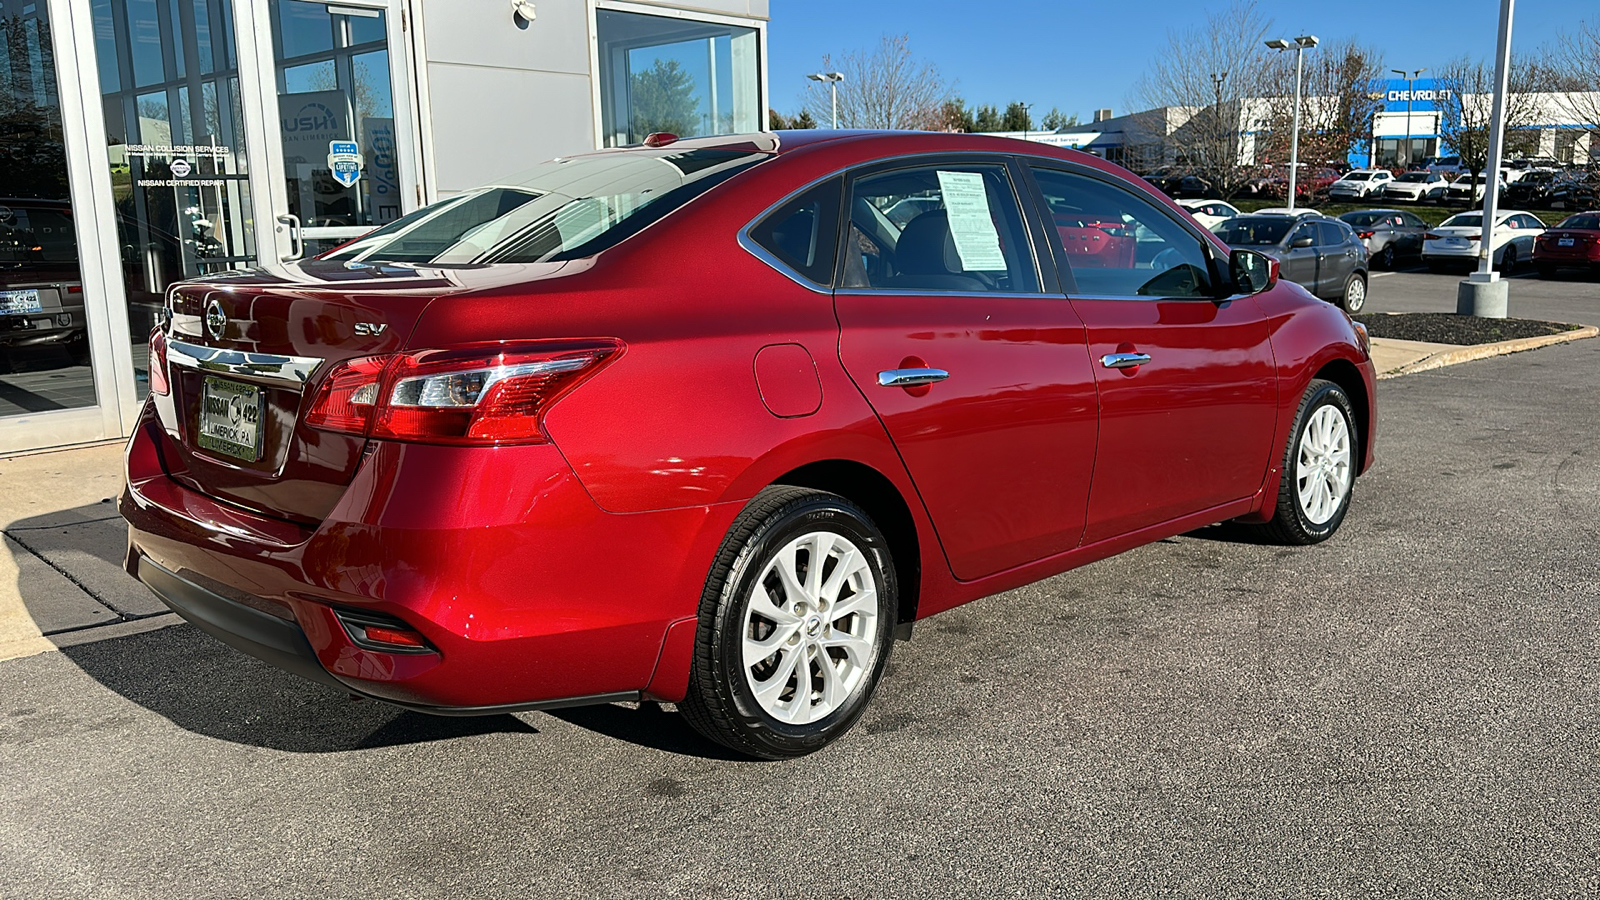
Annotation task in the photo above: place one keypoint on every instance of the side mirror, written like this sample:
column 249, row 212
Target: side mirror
column 1298, row 242
column 1252, row 272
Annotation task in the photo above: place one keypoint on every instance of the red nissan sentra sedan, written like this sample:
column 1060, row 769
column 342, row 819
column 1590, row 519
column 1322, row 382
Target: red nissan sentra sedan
column 702, row 422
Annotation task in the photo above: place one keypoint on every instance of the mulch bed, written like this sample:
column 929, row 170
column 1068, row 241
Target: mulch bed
column 1448, row 328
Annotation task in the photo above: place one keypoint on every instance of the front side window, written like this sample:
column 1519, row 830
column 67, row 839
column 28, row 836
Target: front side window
column 938, row 228
column 1118, row 244
column 803, row 234
column 563, row 209
column 675, row 75
column 1304, row 232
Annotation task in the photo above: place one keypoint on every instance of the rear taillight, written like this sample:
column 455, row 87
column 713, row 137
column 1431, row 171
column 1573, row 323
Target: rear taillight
column 1365, row 234
column 349, row 395
column 158, row 363
column 480, row 394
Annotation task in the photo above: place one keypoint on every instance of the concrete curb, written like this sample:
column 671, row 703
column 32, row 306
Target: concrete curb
column 1484, row 351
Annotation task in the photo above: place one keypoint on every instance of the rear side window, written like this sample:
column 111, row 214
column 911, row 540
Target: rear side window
column 563, row 209
column 954, row 228
column 803, row 234
column 1329, row 234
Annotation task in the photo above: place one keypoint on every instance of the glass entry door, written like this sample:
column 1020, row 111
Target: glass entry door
column 344, row 171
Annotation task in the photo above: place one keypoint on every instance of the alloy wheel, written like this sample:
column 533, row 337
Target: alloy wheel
column 1355, row 294
column 810, row 628
column 1323, row 472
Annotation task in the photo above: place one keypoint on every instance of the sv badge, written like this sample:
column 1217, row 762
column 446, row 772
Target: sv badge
column 370, row 328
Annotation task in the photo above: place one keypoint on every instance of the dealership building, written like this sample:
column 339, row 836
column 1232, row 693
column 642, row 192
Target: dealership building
column 147, row 141
column 1408, row 112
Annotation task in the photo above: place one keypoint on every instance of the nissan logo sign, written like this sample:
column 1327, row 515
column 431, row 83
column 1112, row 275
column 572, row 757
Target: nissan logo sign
column 216, row 319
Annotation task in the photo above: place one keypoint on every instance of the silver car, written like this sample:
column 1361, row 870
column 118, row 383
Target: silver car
column 1388, row 233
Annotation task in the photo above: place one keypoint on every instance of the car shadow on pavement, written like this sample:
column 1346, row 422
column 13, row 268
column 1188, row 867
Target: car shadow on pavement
column 648, row 726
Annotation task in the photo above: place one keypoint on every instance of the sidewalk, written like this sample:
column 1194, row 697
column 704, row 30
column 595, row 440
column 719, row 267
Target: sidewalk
column 61, row 572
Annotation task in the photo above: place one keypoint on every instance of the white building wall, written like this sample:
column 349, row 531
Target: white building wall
column 500, row 96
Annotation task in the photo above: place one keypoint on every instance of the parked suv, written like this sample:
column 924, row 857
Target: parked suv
column 1321, row 254
column 1360, row 183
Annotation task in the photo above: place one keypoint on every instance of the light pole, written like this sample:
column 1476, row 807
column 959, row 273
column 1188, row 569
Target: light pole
column 1027, row 119
column 1216, row 116
column 833, row 79
column 1301, row 44
column 1410, row 89
column 1484, row 293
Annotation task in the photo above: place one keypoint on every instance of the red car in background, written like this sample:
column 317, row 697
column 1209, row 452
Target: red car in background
column 702, row 422
column 1572, row 244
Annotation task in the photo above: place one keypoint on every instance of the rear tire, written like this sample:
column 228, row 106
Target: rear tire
column 1508, row 259
column 1319, row 469
column 1385, row 258
column 789, row 648
column 1355, row 294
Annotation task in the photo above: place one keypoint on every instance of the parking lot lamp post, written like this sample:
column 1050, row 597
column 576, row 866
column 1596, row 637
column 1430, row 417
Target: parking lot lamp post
column 1411, row 88
column 1484, row 293
column 1216, row 119
column 833, row 79
column 1301, row 44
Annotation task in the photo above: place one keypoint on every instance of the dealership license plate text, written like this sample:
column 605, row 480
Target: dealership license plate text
column 230, row 418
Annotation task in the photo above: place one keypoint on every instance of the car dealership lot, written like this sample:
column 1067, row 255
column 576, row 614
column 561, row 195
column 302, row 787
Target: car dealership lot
column 1407, row 709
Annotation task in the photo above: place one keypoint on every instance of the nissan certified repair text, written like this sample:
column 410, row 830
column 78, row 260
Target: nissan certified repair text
column 714, row 421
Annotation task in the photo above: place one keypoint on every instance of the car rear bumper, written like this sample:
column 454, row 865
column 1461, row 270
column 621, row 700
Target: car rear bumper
column 529, row 595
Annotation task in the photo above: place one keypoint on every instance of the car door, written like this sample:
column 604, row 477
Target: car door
column 1336, row 258
column 1299, row 263
column 980, row 376
column 1412, row 229
column 1186, row 378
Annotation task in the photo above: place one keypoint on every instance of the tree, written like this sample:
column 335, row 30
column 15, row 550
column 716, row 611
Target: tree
column 1017, row 118
column 663, row 100
column 1340, row 85
column 1056, row 120
column 803, row 120
column 987, row 119
column 888, row 87
column 776, row 121
column 1202, row 77
column 1465, row 98
column 954, row 116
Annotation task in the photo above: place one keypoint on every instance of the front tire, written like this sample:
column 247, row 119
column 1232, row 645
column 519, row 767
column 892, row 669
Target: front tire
column 795, row 625
column 1319, row 468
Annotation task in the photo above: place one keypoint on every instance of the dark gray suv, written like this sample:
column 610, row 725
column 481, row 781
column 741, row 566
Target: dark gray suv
column 1321, row 254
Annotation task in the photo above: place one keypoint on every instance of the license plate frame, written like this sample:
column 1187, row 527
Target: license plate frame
column 239, row 412
column 13, row 303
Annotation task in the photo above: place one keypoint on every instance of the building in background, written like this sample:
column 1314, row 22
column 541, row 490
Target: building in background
column 147, row 141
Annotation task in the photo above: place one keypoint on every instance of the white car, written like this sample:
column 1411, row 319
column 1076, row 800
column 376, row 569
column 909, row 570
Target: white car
column 1456, row 241
column 1463, row 186
column 1415, row 187
column 1209, row 213
column 1361, row 183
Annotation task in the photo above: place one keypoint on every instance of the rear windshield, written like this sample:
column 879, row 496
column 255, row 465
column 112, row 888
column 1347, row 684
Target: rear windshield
column 1591, row 223
column 1246, row 231
column 563, row 209
column 1465, row 220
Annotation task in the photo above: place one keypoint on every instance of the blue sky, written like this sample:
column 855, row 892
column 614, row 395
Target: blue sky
column 1081, row 55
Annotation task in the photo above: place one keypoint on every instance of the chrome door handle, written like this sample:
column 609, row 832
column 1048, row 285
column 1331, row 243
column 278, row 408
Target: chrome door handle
column 904, row 378
column 297, row 244
column 1124, row 360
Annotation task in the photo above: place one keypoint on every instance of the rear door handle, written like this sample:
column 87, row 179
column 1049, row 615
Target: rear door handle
column 1124, row 360
column 903, row 378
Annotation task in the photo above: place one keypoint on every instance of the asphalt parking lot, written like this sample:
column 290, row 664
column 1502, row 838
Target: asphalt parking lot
column 1407, row 710
column 1571, row 296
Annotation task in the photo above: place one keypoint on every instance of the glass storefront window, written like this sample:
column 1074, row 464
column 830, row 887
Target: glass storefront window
column 333, row 87
column 44, row 347
column 675, row 75
column 180, row 184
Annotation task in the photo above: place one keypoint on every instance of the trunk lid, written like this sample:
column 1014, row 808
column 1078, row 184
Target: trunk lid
column 247, row 353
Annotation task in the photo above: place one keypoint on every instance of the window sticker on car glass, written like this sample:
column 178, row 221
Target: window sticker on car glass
column 966, row 205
